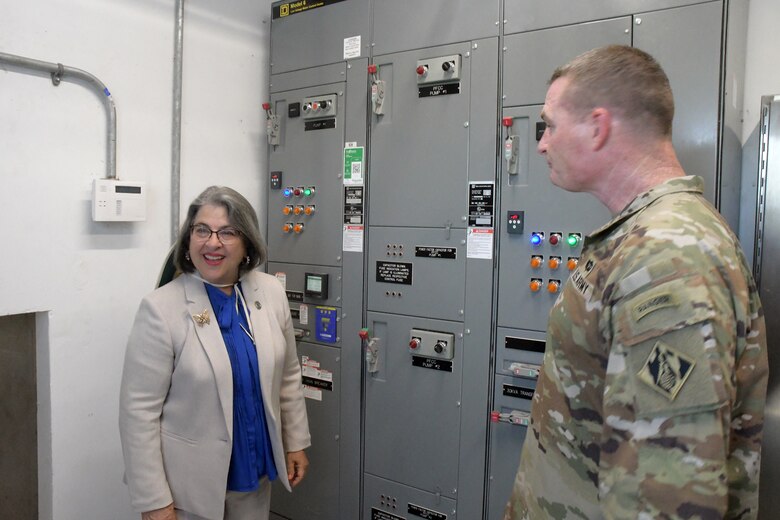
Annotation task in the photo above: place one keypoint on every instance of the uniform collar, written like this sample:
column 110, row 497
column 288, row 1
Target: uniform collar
column 690, row 183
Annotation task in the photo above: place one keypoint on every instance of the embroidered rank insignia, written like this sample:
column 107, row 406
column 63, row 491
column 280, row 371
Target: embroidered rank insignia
column 666, row 370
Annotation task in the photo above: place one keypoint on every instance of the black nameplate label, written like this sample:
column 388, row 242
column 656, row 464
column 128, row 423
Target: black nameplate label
column 294, row 296
column 394, row 272
column 432, row 363
column 283, row 9
column 518, row 391
column 321, row 124
column 438, row 90
column 435, row 252
column 317, row 383
column 378, row 514
column 531, row 345
column 422, row 512
column 295, row 313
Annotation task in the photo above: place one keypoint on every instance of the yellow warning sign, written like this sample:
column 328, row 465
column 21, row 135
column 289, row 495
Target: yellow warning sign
column 290, row 8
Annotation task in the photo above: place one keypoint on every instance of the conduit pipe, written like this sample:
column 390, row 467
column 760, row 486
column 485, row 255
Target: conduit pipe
column 59, row 72
column 176, row 131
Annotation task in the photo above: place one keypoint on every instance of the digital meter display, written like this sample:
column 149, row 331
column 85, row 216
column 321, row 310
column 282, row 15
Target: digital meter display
column 316, row 285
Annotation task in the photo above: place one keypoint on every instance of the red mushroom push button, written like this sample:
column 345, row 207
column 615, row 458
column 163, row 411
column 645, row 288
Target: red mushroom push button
column 414, row 343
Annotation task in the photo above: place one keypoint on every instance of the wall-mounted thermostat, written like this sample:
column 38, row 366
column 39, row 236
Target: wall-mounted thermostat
column 118, row 201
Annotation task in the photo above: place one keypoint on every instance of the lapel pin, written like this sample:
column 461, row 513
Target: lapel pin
column 258, row 305
column 202, row 318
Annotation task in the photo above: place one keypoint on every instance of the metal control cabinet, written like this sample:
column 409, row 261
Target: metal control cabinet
column 450, row 244
column 318, row 105
column 542, row 226
column 433, row 156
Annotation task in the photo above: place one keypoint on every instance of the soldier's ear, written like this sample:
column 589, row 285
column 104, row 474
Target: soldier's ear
column 600, row 122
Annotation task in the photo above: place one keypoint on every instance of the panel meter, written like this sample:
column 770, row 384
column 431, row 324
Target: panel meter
column 316, row 286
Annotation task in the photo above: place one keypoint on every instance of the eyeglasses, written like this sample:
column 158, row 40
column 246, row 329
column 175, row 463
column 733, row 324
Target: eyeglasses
column 226, row 235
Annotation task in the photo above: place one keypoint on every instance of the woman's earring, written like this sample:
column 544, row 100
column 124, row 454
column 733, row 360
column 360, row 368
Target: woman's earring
column 248, row 260
column 187, row 256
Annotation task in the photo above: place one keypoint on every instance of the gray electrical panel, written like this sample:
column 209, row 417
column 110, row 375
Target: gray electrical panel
column 317, row 118
column 420, row 239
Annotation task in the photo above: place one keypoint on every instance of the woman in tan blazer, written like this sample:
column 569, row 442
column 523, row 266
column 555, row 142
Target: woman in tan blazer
column 211, row 402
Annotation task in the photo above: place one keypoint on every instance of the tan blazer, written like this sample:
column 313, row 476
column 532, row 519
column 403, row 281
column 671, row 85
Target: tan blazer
column 176, row 397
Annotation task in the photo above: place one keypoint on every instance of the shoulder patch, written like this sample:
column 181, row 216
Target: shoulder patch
column 666, row 370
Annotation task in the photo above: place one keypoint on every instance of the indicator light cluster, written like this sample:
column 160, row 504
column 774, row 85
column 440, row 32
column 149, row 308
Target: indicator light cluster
column 572, row 239
column 554, row 262
column 300, row 209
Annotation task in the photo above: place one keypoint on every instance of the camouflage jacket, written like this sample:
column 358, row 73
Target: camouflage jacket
column 650, row 402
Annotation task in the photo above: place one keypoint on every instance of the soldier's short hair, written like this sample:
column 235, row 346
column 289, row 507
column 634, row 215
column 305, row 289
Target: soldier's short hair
column 241, row 216
column 623, row 79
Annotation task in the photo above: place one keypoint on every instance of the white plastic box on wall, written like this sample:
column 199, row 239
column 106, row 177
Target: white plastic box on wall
column 118, row 201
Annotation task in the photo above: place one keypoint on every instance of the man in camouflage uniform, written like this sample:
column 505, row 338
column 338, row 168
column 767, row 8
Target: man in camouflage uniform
column 650, row 402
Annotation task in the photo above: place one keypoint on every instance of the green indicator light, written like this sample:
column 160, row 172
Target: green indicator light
column 573, row 240
column 307, row 192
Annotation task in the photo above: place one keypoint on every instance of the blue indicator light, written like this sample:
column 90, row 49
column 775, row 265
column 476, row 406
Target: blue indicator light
column 536, row 239
column 287, row 192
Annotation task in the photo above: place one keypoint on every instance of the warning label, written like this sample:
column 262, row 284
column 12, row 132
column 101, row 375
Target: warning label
column 394, row 272
column 284, row 9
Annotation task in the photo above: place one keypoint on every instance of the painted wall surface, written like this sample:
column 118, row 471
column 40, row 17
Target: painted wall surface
column 87, row 278
column 762, row 77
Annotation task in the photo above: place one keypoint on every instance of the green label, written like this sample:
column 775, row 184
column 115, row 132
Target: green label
column 353, row 165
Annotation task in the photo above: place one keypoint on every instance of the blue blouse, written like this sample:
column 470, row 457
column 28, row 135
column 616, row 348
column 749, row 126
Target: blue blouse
column 252, row 455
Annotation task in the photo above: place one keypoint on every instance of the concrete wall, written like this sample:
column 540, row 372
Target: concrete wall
column 85, row 279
